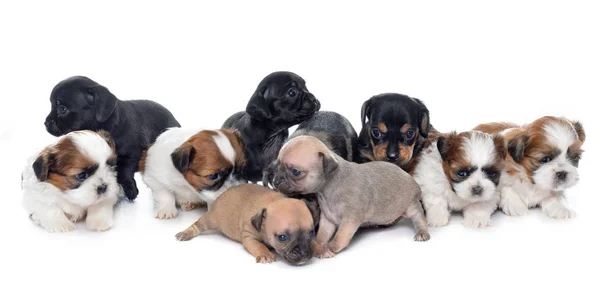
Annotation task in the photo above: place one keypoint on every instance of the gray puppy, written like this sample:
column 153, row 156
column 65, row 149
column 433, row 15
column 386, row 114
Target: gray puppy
column 350, row 195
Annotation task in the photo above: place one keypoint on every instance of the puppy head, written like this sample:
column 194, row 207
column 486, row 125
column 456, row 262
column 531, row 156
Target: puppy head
column 472, row 162
column 304, row 163
column 549, row 149
column 79, row 103
column 287, row 226
column 392, row 125
column 210, row 159
column 81, row 165
column 282, row 98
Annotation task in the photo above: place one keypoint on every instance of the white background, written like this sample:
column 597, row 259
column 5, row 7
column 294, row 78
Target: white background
column 469, row 62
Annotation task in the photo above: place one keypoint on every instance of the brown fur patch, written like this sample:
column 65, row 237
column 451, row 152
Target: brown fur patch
column 405, row 128
column 238, row 146
column 142, row 163
column 380, row 151
column 65, row 162
column 382, row 127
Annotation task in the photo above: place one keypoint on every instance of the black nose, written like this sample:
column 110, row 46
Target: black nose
column 562, row 175
column 49, row 123
column 392, row 157
column 477, row 190
column 101, row 189
column 276, row 182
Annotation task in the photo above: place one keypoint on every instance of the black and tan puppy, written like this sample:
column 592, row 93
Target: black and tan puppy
column 394, row 128
column 259, row 217
column 350, row 195
column 79, row 103
column 280, row 101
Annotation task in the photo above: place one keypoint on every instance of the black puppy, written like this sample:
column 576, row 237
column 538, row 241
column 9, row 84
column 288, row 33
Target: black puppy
column 79, row 103
column 396, row 129
column 280, row 101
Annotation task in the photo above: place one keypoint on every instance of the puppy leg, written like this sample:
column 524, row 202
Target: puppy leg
column 342, row 238
column 206, row 222
column 53, row 220
column 511, row 203
column 415, row 212
column 126, row 168
column 258, row 250
column 164, row 204
column 438, row 214
column 100, row 216
column 479, row 215
column 557, row 207
column 326, row 230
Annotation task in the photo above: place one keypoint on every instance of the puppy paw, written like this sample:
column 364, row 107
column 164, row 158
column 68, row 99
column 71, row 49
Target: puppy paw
column 130, row 190
column 267, row 258
column 189, row 206
column 324, row 252
column 558, row 212
column 515, row 210
column 422, row 236
column 184, row 235
column 477, row 222
column 59, row 226
column 99, row 223
column 437, row 221
column 166, row 213
column 76, row 218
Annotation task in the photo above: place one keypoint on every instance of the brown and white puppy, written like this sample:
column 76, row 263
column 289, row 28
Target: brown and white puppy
column 543, row 163
column 259, row 217
column 350, row 195
column 460, row 172
column 190, row 168
column 71, row 180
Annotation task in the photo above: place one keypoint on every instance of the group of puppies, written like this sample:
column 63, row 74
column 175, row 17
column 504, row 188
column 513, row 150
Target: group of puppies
column 327, row 181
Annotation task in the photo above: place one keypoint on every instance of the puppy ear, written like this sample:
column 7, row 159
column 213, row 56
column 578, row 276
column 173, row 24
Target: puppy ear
column 105, row 102
column 516, row 147
column 364, row 111
column 257, row 106
column 579, row 129
column 41, row 166
column 330, row 164
column 182, row 157
column 424, row 126
column 258, row 219
column 315, row 210
column 500, row 147
column 104, row 134
column 444, row 144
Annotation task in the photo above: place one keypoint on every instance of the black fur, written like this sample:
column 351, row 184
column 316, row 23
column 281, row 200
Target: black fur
column 394, row 110
column 271, row 111
column 516, row 147
column 86, row 105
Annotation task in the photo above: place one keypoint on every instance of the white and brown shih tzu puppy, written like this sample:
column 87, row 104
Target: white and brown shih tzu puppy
column 543, row 163
column 190, row 168
column 72, row 180
column 460, row 172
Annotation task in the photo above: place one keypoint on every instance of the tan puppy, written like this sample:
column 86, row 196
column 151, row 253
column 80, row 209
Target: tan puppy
column 350, row 195
column 253, row 215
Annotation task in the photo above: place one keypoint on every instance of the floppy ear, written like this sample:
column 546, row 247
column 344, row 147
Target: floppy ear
column 182, row 157
column 444, row 144
column 365, row 110
column 104, row 134
column 257, row 106
column 500, row 147
column 41, row 166
column 105, row 102
column 313, row 207
column 258, row 219
column 330, row 164
column 516, row 147
column 579, row 129
column 424, row 116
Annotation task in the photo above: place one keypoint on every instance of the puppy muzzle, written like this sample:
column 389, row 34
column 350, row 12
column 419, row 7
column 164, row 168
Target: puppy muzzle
column 298, row 254
column 52, row 127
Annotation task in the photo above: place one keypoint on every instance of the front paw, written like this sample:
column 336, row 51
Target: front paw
column 558, row 212
column 324, row 251
column 130, row 189
column 437, row 221
column 184, row 235
column 422, row 236
column 472, row 221
column 266, row 258
column 58, row 226
column 189, row 206
column 99, row 223
column 166, row 213
column 515, row 210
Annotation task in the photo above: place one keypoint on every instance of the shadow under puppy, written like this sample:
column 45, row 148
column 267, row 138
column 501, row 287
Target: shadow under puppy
column 394, row 128
column 72, row 180
column 79, row 103
column 259, row 217
column 190, row 168
column 350, row 195
column 280, row 101
column 460, row 172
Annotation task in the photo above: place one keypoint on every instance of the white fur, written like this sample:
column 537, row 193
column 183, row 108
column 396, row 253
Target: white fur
column 437, row 195
column 518, row 193
column 168, row 185
column 55, row 210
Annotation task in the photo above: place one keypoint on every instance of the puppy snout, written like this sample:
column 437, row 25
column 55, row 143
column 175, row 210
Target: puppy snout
column 477, row 190
column 300, row 254
column 101, row 189
column 562, row 175
column 392, row 156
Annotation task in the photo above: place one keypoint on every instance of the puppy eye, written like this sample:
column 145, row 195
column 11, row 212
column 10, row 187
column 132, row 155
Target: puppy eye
column 292, row 92
column 546, row 159
column 376, row 133
column 296, row 172
column 311, row 233
column 462, row 174
column 81, row 176
column 282, row 238
column 214, row 176
column 491, row 173
column 410, row 134
column 61, row 109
